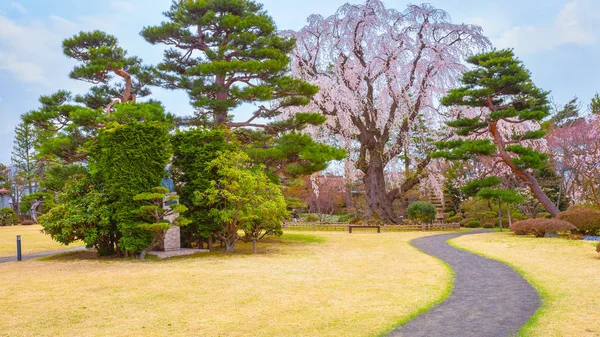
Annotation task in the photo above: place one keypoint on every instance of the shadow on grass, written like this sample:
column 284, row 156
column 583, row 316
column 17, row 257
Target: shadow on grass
column 267, row 246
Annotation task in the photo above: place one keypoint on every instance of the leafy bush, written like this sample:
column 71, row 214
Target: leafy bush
column 312, row 218
column 345, row 218
column 489, row 224
column 454, row 219
column 473, row 223
column 8, row 217
column 587, row 220
column 539, row 227
column 421, row 211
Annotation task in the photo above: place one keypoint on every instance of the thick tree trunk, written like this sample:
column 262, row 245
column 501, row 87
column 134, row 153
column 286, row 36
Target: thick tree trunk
column 229, row 246
column 210, row 242
column 254, row 246
column 379, row 202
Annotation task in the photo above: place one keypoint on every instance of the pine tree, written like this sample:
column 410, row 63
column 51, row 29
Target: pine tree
column 595, row 104
column 23, row 155
column 226, row 53
column 509, row 108
column 569, row 113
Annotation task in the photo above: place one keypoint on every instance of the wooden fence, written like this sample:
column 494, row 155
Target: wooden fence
column 343, row 227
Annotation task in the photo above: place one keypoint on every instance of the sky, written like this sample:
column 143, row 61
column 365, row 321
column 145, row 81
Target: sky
column 558, row 41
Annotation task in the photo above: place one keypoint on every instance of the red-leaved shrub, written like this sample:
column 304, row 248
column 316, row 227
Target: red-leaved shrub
column 587, row 220
column 539, row 227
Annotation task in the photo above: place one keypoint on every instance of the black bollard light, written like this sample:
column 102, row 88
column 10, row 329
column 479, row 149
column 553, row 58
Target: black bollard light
column 19, row 257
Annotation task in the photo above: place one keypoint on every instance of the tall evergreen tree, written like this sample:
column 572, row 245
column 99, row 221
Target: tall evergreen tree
column 23, row 155
column 568, row 114
column 226, row 53
column 508, row 109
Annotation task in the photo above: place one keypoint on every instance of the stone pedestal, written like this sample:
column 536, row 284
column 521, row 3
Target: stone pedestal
column 172, row 239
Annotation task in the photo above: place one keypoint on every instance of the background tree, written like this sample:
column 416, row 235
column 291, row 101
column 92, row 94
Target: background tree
column 505, row 122
column 155, row 213
column 595, row 105
column 379, row 71
column 566, row 115
column 23, row 155
column 245, row 197
column 575, row 153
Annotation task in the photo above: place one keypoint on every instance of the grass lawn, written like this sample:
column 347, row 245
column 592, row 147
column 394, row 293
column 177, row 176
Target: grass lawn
column 565, row 273
column 305, row 284
column 32, row 240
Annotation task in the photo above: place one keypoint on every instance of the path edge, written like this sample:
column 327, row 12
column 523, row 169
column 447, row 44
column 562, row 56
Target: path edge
column 447, row 292
column 544, row 295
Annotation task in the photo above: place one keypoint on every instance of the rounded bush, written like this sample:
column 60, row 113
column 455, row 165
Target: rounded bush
column 473, row 223
column 587, row 220
column 454, row 219
column 489, row 224
column 8, row 217
column 539, row 227
column 421, row 211
column 27, row 223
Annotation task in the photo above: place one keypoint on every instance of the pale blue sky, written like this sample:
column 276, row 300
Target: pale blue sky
column 557, row 39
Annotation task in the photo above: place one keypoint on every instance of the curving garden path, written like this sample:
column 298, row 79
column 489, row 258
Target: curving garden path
column 489, row 299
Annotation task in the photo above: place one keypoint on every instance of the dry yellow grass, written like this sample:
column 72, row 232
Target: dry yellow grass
column 566, row 273
column 32, row 240
column 349, row 285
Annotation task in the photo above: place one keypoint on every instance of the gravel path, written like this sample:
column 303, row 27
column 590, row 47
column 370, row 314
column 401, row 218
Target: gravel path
column 489, row 299
column 36, row 255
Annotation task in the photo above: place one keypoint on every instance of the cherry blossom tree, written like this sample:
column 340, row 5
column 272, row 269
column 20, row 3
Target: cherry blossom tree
column 381, row 72
column 575, row 153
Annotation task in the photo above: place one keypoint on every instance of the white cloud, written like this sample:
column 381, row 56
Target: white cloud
column 572, row 25
column 24, row 71
column 26, row 51
column 18, row 7
column 122, row 6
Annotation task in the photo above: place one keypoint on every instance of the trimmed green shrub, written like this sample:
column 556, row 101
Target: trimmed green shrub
column 489, row 224
column 587, row 220
column 8, row 217
column 421, row 211
column 539, row 227
column 473, row 224
column 345, row 217
column 454, row 219
column 312, row 218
